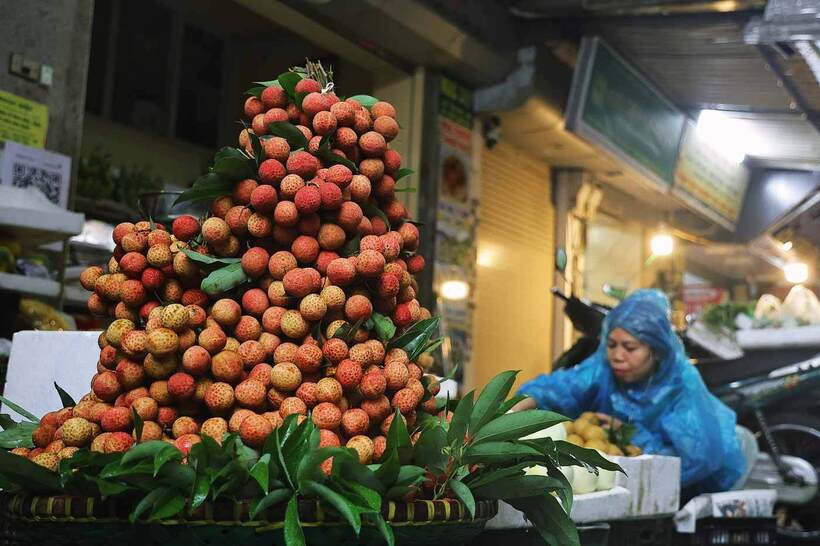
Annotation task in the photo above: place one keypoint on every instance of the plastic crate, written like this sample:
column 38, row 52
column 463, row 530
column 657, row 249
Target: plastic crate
column 731, row 531
column 641, row 532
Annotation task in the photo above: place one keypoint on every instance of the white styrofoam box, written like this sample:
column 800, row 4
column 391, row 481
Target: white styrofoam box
column 39, row 359
column 653, row 481
column 796, row 336
column 598, row 506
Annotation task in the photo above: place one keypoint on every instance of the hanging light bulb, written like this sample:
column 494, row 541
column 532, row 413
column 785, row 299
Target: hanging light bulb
column 662, row 244
column 796, row 272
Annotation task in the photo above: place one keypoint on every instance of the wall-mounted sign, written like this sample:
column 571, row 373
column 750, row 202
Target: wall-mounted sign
column 707, row 181
column 615, row 108
column 23, row 166
column 22, row 120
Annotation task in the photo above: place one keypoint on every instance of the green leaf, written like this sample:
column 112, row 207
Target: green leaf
column 271, row 499
column 349, row 468
column 565, row 492
column 299, row 98
column 180, row 476
column 331, row 158
column 385, row 328
column 138, row 424
column 517, row 487
column 65, row 398
column 232, row 164
column 349, row 512
column 294, row 536
column 408, row 189
column 109, row 489
column 288, row 81
column 461, row 419
column 422, row 328
column 258, row 151
column 165, row 454
column 398, row 438
column 224, row 279
column 432, row 345
column 370, row 210
column 170, row 503
column 500, row 452
column 370, row 497
column 18, row 435
column 206, row 188
column 296, row 139
column 208, row 260
column 255, row 91
column 269, row 83
column 202, row 486
column 588, row 456
column 385, row 530
column 402, row 173
column 309, row 465
column 6, row 422
column 463, row 492
column 346, row 331
column 490, row 398
column 487, row 476
column 512, row 426
column 552, row 523
column 145, row 450
column 352, row 246
column 28, row 475
column 365, row 100
column 19, row 410
column 147, row 502
column 429, row 449
column 507, row 406
column 260, row 473
column 388, row 471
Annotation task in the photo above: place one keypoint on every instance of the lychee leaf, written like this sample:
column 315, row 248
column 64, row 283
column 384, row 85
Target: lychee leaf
column 512, row 426
column 260, row 473
column 463, row 492
column 352, row 246
column 461, row 420
column 170, row 503
column 330, row 158
column 585, row 456
column 385, row 530
column 224, row 279
column 293, row 528
column 19, row 410
column 398, row 438
column 385, row 328
column 429, row 449
column 419, row 328
column 401, row 173
column 372, row 210
column 408, row 189
column 258, row 152
column 271, row 499
column 208, row 260
column 296, row 138
column 255, row 91
column 365, row 100
column 493, row 394
column 346, row 331
column 298, row 98
column 145, row 450
column 206, row 188
column 269, row 83
column 65, row 398
column 18, row 435
column 138, row 424
column 432, row 345
column 288, row 81
column 232, row 164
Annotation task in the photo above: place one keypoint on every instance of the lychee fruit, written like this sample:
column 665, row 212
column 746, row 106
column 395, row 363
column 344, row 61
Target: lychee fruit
column 255, row 262
column 185, row 227
column 292, row 405
column 355, row 421
column 349, row 374
column 106, row 386
column 227, row 366
column 212, row 339
column 271, row 171
column 215, row 428
column 77, row 432
column 303, row 164
column 219, row 397
column 363, row 447
column 358, row 307
column 335, row 350
column 184, row 425
column 331, row 195
column 226, row 312
column 116, row 419
column 326, row 416
column 181, row 386
column 305, row 249
column 341, row 272
column 286, row 377
column 251, row 393
column 308, row 358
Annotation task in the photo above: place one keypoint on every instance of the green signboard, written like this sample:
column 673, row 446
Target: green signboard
column 611, row 105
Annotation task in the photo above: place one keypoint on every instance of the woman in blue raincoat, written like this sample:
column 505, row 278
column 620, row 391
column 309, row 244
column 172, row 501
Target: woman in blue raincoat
column 640, row 375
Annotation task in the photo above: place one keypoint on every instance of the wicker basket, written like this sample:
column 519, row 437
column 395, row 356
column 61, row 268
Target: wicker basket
column 64, row 520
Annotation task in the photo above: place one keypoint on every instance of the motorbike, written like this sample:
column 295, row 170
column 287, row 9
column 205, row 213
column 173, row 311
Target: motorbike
column 775, row 394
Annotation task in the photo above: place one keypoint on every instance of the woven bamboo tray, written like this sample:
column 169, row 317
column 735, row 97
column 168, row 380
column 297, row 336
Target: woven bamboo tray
column 64, row 520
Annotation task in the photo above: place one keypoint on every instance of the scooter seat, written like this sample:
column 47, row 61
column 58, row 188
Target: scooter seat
column 756, row 362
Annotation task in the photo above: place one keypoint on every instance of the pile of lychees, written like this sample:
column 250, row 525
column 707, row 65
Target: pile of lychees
column 323, row 248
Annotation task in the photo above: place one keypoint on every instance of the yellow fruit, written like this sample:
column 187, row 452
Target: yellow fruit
column 580, row 425
column 614, row 450
column 575, row 439
column 590, row 416
column 593, row 432
column 570, row 427
column 633, row 451
column 597, row 444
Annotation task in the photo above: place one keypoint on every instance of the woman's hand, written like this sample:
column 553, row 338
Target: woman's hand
column 526, row 404
column 608, row 420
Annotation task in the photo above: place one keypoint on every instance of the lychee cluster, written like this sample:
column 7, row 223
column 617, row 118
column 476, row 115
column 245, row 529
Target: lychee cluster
column 327, row 249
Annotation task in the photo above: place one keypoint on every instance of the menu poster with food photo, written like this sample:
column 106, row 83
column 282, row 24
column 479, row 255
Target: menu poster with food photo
column 456, row 218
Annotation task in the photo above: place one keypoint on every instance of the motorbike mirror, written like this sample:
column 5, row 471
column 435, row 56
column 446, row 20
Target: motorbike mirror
column 613, row 291
column 560, row 259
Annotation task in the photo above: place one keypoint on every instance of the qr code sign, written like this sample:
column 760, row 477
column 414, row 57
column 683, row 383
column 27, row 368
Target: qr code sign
column 47, row 181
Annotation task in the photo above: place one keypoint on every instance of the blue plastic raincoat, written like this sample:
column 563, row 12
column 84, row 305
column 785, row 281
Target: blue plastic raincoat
column 673, row 412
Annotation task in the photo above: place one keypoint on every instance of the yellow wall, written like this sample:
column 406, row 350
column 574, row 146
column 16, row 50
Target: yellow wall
column 614, row 255
column 512, row 322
